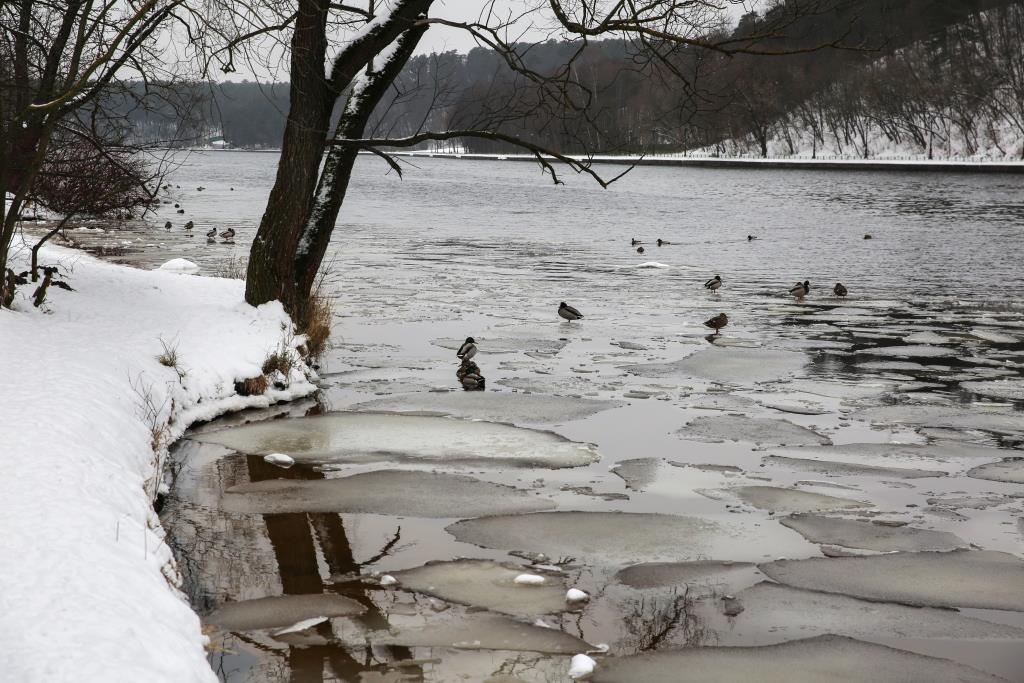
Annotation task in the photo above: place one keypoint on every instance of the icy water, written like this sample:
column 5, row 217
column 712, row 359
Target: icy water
column 713, row 497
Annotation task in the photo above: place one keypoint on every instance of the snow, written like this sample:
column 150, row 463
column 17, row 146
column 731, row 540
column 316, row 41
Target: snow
column 529, row 580
column 90, row 588
column 301, row 625
column 576, row 595
column 179, row 265
column 581, row 666
column 388, row 580
column 279, row 459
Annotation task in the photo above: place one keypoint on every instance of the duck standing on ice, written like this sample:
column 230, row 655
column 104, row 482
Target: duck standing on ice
column 800, row 289
column 717, row 323
column 840, row 290
column 228, row 234
column 714, row 283
column 467, row 350
column 568, row 312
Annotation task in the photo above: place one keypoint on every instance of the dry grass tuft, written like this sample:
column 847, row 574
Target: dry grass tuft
column 169, row 357
column 251, row 386
column 280, row 360
column 316, row 325
column 233, row 269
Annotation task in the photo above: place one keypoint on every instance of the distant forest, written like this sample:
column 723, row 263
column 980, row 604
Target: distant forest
column 915, row 73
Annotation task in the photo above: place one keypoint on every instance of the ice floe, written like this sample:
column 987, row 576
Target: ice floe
column 384, row 492
column 1010, row 471
column 728, row 365
column 850, row 533
column 1009, row 389
column 491, row 585
column 825, row 658
column 835, row 468
column 372, row 437
column 698, row 572
column 968, row 578
column 757, row 430
column 496, row 406
column 281, row 611
column 786, row 500
column 604, row 537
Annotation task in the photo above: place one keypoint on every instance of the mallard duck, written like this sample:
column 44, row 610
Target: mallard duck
column 718, row 322
column 467, row 350
column 469, row 376
column 568, row 312
column 228, row 234
column 839, row 289
column 751, row 238
column 190, row 225
column 800, row 289
column 167, row 225
column 639, row 250
column 662, row 242
column 212, row 233
column 867, row 237
column 181, row 210
column 714, row 283
column 635, row 242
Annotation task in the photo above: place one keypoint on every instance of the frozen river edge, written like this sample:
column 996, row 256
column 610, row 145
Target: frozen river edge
column 90, row 586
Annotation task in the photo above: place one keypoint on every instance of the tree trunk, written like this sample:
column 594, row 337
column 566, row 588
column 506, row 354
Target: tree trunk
column 271, row 273
column 337, row 172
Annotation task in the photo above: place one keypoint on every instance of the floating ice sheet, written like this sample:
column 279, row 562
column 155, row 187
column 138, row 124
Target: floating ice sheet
column 495, row 406
column 638, row 473
column 945, row 418
column 506, row 345
column 1010, row 471
column 911, row 351
column 882, row 451
column 728, row 365
column 372, row 437
column 384, row 492
column 483, row 583
column 825, row 658
column 774, row 608
column 607, row 537
column 789, row 500
column 1009, row 389
column 285, row 610
column 661, row 574
column 753, row 429
column 974, row 578
column 851, row 533
column 471, row 632
column 835, row 468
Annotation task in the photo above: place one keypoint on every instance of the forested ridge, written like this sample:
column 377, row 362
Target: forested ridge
column 917, row 76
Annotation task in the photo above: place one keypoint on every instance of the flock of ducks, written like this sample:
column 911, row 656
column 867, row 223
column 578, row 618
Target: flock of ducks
column 211, row 235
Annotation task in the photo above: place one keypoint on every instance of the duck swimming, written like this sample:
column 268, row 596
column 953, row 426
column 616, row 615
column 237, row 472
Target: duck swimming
column 714, row 283
column 639, row 250
column 467, row 350
column 800, row 289
column 636, row 242
column 751, row 238
column 718, row 322
column 568, row 312
column 662, row 242
column 839, row 289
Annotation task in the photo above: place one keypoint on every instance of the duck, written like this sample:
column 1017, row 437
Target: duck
column 467, row 350
column 718, row 322
column 469, row 376
column 177, row 205
column 639, row 250
column 568, row 312
column 714, row 283
column 636, row 242
column 228, row 234
column 751, row 238
column 167, row 225
column 181, row 210
column 800, row 289
column 839, row 289
column 200, row 188
column 868, row 237
column 190, row 225
column 662, row 242
column 212, row 233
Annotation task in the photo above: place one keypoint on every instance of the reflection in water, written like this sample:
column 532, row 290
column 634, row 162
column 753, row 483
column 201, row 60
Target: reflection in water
column 653, row 622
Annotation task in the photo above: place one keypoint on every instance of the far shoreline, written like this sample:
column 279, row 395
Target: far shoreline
column 788, row 163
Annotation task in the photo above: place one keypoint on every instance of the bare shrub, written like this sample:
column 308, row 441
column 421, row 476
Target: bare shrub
column 279, row 361
column 232, row 269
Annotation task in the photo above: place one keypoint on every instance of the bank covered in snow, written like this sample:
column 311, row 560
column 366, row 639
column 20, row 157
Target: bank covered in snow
column 97, row 382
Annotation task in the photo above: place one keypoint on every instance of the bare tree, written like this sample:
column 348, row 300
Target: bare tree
column 59, row 59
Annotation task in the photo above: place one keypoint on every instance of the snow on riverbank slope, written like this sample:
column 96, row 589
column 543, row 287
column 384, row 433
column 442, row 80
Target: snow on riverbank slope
column 86, row 592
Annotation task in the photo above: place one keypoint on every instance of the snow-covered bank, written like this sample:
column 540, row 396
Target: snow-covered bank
column 87, row 581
